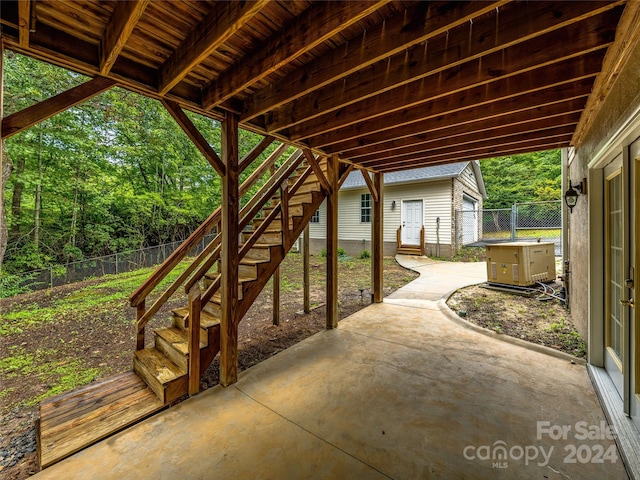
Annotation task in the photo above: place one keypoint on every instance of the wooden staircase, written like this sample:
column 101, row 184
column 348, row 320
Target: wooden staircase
column 271, row 222
column 165, row 366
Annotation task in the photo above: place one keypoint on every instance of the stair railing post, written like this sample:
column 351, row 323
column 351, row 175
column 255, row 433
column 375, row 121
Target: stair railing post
column 284, row 205
column 195, row 307
column 140, row 311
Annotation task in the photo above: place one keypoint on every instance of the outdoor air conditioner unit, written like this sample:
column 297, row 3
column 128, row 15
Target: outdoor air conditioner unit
column 521, row 263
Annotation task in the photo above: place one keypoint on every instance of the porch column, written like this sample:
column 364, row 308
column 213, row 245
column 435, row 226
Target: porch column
column 377, row 239
column 332, row 243
column 229, row 253
column 305, row 268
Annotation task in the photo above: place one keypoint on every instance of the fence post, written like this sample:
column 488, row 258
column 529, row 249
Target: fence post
column 116, row 263
column 514, row 210
column 50, row 277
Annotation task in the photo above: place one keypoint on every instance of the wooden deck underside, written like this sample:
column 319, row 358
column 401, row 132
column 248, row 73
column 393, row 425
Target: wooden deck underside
column 74, row 420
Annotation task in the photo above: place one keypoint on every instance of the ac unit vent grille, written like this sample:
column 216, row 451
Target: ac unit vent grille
column 516, row 276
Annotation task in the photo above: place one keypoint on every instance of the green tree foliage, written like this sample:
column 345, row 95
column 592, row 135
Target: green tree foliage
column 112, row 174
column 531, row 177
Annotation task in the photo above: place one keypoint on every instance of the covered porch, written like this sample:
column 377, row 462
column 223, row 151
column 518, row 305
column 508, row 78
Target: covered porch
column 398, row 391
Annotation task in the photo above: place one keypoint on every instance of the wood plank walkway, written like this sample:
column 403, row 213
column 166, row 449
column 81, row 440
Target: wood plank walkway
column 76, row 419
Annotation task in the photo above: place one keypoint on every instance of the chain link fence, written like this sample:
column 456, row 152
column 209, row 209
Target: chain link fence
column 523, row 222
column 98, row 266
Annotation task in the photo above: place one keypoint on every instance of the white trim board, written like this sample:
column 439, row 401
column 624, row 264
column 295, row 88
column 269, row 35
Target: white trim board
column 627, row 435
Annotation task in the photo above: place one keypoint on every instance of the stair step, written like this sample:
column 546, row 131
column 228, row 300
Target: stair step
column 166, row 379
column 173, row 342
column 207, row 320
column 267, row 238
column 209, row 278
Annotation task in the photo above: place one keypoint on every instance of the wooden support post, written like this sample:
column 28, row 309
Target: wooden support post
column 195, row 306
column 377, row 240
column 305, row 274
column 276, row 297
column 332, row 243
column 230, row 232
column 140, row 311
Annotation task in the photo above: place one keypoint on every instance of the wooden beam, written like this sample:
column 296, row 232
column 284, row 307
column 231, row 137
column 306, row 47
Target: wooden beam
column 478, row 149
column 427, row 130
column 332, row 244
column 306, row 281
column 345, row 174
column 400, row 32
column 575, row 42
column 372, row 188
column 229, row 260
column 500, row 48
column 255, row 152
column 447, row 138
column 123, row 20
column 24, row 22
column 625, row 42
column 41, row 111
column 511, row 94
column 315, row 166
column 377, row 239
column 488, row 142
column 535, row 146
column 276, row 297
column 195, row 136
column 314, row 26
column 224, row 20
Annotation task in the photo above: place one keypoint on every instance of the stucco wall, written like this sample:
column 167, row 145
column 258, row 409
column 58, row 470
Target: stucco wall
column 622, row 100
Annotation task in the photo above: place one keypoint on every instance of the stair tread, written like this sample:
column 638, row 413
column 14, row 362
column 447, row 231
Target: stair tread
column 207, row 320
column 159, row 366
column 178, row 338
column 241, row 279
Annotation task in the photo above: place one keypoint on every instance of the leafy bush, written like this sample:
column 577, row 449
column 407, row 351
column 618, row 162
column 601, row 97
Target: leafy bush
column 365, row 254
column 11, row 285
column 341, row 252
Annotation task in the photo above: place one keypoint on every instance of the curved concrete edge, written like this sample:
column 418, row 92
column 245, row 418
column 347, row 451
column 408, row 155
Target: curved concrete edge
column 451, row 315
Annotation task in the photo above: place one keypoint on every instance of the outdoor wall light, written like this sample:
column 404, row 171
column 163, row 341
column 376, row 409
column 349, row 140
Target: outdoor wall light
column 574, row 191
column 393, row 205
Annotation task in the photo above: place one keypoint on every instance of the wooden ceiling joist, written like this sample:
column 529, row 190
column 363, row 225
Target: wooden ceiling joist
column 211, row 33
column 468, row 134
column 489, row 73
column 414, row 26
column 453, row 55
column 535, row 146
column 123, row 20
column 196, row 137
column 551, row 114
column 316, row 25
column 41, row 111
column 379, row 84
column 497, row 142
column 523, row 132
column 522, row 91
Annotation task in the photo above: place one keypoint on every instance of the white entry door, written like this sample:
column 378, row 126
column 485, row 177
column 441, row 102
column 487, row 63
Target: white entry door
column 411, row 222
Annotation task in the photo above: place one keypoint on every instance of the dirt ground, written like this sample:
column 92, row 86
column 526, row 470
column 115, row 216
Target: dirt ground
column 538, row 319
column 98, row 342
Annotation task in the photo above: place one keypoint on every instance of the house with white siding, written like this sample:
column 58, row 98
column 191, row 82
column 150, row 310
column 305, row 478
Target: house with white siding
column 419, row 211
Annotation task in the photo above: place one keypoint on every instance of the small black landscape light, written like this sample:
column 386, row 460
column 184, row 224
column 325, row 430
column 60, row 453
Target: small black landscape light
column 572, row 194
column 393, row 205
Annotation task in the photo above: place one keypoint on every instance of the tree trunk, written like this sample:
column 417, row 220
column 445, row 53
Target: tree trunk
column 16, row 199
column 6, row 171
column 38, row 199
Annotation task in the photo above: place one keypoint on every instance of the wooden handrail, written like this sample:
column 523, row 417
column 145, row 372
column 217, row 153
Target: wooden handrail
column 399, row 236
column 179, row 253
column 148, row 315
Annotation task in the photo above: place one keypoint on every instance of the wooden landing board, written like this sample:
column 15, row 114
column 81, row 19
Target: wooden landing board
column 74, row 420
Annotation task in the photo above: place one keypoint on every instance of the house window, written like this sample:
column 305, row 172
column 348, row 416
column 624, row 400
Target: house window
column 365, row 208
column 316, row 217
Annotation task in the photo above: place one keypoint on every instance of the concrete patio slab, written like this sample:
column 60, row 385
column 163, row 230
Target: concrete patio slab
column 395, row 392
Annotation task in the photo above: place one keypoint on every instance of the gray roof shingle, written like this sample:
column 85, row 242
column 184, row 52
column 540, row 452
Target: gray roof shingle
column 436, row 172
